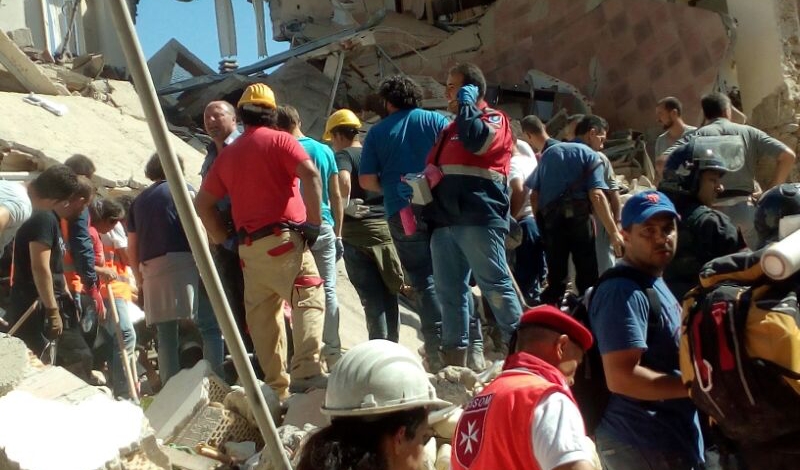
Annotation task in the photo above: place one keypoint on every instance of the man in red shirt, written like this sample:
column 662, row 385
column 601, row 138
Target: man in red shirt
column 276, row 226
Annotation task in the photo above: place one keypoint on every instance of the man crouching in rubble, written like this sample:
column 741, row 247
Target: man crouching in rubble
column 38, row 273
column 276, row 227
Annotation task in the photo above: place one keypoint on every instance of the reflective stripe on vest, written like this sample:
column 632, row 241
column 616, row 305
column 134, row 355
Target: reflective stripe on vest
column 494, row 431
column 465, row 170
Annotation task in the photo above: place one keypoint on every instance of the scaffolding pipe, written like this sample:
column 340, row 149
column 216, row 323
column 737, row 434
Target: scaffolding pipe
column 197, row 240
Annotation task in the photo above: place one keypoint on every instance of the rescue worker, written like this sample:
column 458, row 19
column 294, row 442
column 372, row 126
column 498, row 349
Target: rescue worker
column 276, row 227
column 370, row 257
column 566, row 188
column 649, row 421
column 746, row 145
column 592, row 131
column 527, row 417
column 378, row 399
column 105, row 215
column 15, row 208
column 80, row 257
column 692, row 182
column 328, row 248
column 775, row 204
column 669, row 111
column 469, row 216
column 394, row 147
column 38, row 273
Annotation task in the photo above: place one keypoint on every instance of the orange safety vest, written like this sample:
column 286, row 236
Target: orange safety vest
column 494, row 430
column 121, row 288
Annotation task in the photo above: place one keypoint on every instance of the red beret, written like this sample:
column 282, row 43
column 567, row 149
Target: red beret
column 553, row 318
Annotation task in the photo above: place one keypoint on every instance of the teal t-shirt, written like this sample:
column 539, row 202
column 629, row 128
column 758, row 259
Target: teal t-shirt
column 323, row 158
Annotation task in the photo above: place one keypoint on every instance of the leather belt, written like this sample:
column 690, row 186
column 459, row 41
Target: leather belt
column 246, row 238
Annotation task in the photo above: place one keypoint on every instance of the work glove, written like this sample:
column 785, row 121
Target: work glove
column 356, row 208
column 404, row 190
column 94, row 293
column 310, row 233
column 54, row 324
column 467, row 94
column 231, row 243
column 339, row 248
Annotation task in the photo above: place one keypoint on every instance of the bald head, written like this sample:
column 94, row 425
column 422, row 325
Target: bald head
column 219, row 119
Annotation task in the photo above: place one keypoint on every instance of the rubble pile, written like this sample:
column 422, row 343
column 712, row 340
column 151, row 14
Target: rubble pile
column 79, row 106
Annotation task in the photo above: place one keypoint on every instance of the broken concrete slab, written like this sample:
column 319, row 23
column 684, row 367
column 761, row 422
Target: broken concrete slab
column 119, row 144
column 304, row 408
column 236, row 400
column 90, row 434
column 183, row 395
column 162, row 63
column 28, row 73
column 13, row 362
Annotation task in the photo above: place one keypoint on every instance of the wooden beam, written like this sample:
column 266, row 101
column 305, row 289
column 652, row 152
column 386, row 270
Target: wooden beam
column 28, row 73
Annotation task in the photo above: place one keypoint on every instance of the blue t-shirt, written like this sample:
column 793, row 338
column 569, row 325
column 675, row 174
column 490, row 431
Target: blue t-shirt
column 154, row 218
column 397, row 145
column 618, row 315
column 323, row 158
column 560, row 166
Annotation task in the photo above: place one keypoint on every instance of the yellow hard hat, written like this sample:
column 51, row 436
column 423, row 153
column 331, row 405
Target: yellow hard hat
column 258, row 94
column 343, row 117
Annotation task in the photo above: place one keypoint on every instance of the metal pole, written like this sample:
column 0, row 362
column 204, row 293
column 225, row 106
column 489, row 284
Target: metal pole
column 336, row 79
column 177, row 185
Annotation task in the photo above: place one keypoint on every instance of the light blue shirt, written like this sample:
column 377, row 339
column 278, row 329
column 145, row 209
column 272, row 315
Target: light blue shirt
column 323, row 158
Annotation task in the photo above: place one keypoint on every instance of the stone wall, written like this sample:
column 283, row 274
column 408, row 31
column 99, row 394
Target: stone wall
column 623, row 54
column 779, row 113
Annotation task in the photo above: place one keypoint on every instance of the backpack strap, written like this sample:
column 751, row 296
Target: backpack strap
column 643, row 281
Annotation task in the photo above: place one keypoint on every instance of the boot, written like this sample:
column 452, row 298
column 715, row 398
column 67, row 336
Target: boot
column 475, row 359
column 432, row 359
column 455, row 357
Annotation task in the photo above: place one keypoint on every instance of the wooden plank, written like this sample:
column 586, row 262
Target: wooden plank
column 28, row 73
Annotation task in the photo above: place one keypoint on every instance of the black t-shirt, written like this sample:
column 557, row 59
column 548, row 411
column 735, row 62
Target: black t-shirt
column 42, row 227
column 349, row 159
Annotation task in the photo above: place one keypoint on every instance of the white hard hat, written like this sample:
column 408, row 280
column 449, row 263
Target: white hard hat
column 378, row 377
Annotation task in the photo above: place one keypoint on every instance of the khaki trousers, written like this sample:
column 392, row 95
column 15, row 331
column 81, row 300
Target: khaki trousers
column 277, row 268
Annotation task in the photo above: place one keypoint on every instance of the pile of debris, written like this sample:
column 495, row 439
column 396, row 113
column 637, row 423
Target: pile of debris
column 54, row 110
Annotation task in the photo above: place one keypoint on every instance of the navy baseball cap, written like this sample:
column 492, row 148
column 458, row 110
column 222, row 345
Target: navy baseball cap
column 644, row 205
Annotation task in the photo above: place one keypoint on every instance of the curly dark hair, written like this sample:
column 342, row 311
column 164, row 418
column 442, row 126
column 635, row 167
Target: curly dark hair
column 401, row 92
column 355, row 443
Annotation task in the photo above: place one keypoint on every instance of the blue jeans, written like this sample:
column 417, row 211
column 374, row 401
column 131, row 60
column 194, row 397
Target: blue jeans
column 169, row 361
column 118, row 380
column 457, row 251
column 380, row 303
column 324, row 251
column 530, row 268
column 617, row 455
column 602, row 248
column 415, row 255
column 206, row 321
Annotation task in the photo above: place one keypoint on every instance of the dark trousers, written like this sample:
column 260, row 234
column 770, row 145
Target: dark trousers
column 379, row 302
column 529, row 262
column 229, row 268
column 564, row 236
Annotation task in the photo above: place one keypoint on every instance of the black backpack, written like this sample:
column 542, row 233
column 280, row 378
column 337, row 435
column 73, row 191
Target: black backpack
column 590, row 389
